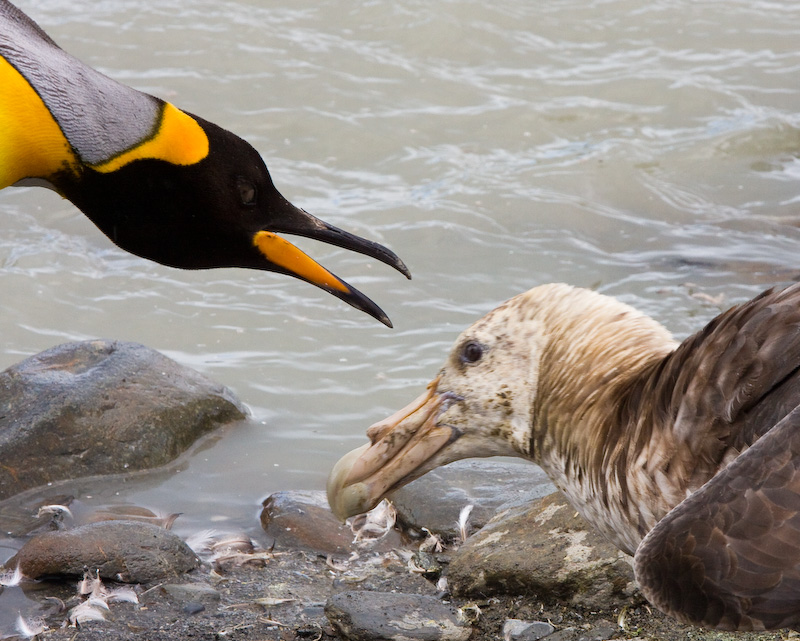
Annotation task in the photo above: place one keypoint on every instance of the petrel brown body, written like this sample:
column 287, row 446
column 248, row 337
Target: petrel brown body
column 685, row 455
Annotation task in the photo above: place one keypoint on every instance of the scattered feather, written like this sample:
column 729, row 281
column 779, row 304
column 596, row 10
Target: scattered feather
column 228, row 549
column 622, row 619
column 29, row 628
column 334, row 565
column 234, row 543
column 470, row 613
column 216, row 576
column 414, row 567
column 91, row 584
column 98, row 602
column 441, row 584
column 351, row 579
column 53, row 510
column 375, row 524
column 202, row 541
column 125, row 595
column 11, row 578
column 432, row 543
column 270, row 601
column 98, row 597
column 152, row 589
column 87, row 611
column 134, row 513
column 403, row 554
column 463, row 521
column 258, row 558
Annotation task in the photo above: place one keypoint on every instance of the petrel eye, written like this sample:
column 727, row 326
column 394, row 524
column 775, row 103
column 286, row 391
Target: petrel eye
column 471, row 352
column 247, row 191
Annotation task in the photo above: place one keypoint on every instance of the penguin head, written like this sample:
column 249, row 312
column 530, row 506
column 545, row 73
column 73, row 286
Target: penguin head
column 223, row 211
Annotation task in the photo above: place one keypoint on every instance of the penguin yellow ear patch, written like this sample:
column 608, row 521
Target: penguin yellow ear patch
column 178, row 139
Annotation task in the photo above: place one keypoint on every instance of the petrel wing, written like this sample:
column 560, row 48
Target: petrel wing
column 729, row 555
column 727, row 385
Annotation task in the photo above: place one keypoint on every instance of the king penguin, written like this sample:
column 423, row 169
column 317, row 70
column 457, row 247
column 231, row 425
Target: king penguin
column 161, row 183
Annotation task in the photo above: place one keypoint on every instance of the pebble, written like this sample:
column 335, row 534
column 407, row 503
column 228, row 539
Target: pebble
column 379, row 616
column 192, row 593
column 193, row 607
column 518, row 630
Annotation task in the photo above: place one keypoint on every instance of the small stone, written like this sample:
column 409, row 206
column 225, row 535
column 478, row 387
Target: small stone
column 599, row 632
column 379, row 616
column 188, row 593
column 119, row 550
column 302, row 520
column 193, row 608
column 518, row 630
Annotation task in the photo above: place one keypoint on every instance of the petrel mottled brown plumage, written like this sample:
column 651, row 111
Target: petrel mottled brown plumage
column 685, row 455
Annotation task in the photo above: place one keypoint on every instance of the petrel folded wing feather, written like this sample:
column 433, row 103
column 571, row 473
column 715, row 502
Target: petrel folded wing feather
column 729, row 555
column 731, row 382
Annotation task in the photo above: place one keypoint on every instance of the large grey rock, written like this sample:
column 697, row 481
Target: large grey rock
column 379, row 616
column 544, row 550
column 101, row 407
column 435, row 500
column 120, row 550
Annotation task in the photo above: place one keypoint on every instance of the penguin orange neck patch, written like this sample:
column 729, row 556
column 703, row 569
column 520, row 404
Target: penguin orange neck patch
column 33, row 145
column 31, row 142
column 178, row 139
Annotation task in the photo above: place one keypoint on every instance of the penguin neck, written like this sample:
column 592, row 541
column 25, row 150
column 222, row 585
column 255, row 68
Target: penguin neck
column 33, row 147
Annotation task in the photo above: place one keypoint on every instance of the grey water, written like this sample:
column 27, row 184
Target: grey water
column 648, row 150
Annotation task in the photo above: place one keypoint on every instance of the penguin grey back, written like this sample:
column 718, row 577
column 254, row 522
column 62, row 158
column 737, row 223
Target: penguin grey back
column 99, row 117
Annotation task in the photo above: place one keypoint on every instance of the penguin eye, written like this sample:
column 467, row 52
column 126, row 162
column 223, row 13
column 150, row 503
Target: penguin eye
column 471, row 352
column 247, row 191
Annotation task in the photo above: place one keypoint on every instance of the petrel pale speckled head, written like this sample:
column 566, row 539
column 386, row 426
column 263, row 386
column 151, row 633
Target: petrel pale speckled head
column 628, row 424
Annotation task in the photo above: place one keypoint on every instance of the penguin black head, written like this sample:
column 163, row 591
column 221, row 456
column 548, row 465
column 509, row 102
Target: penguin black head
column 223, row 211
column 159, row 182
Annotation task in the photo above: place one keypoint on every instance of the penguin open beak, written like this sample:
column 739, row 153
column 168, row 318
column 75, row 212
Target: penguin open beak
column 402, row 448
column 290, row 260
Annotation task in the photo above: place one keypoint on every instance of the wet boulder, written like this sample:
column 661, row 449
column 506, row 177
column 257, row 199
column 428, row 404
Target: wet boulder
column 101, row 407
column 127, row 551
column 544, row 550
column 435, row 501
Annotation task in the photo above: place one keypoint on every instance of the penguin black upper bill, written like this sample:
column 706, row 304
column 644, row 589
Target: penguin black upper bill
column 281, row 253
